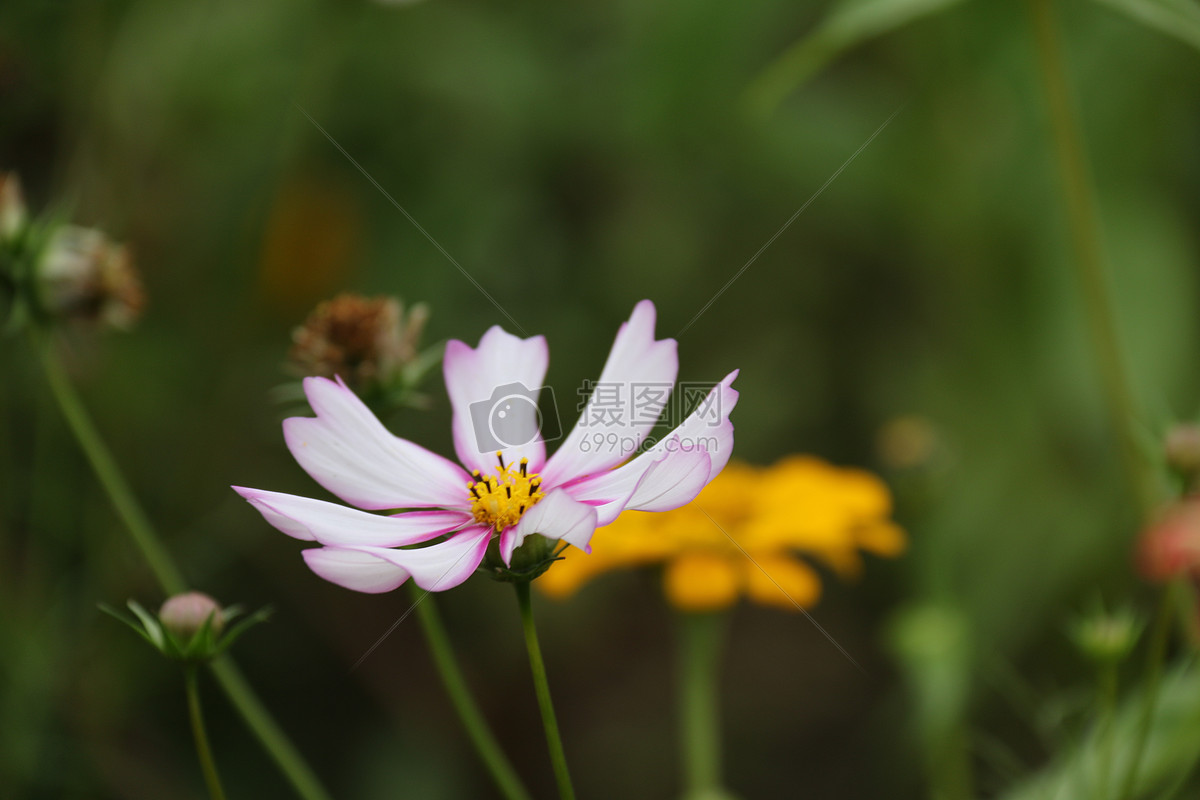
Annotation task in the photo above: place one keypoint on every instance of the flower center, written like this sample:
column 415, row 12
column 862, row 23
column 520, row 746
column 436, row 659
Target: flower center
column 501, row 500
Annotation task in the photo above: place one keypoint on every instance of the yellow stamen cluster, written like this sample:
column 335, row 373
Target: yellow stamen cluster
column 501, row 500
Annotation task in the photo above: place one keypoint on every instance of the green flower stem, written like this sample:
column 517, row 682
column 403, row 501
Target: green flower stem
column 259, row 720
column 256, row 716
column 1108, row 726
column 105, row 467
column 493, row 757
column 203, row 751
column 1155, row 657
column 538, row 667
column 700, row 640
column 1084, row 221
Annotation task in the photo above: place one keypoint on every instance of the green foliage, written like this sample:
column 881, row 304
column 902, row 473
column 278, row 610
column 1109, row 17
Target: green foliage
column 1171, row 753
column 575, row 159
column 846, row 24
column 1176, row 18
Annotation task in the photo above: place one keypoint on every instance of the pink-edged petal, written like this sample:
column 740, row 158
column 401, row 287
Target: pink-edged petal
column 671, row 481
column 340, row 526
column 673, row 471
column 640, row 372
column 349, row 452
column 354, row 569
column 510, row 540
column 557, row 516
column 443, row 565
column 494, row 389
column 708, row 427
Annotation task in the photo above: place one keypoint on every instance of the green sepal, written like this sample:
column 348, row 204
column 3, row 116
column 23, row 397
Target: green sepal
column 203, row 646
column 535, row 555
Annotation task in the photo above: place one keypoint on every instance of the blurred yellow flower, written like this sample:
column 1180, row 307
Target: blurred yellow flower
column 743, row 535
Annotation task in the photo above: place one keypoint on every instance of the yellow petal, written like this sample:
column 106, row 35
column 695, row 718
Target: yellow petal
column 701, row 582
column 575, row 567
column 883, row 539
column 565, row 577
column 782, row 581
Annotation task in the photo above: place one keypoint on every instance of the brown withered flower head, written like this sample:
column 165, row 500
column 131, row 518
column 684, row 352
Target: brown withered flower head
column 85, row 275
column 364, row 340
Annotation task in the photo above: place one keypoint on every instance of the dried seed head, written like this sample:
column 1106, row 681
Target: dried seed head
column 365, row 340
column 85, row 275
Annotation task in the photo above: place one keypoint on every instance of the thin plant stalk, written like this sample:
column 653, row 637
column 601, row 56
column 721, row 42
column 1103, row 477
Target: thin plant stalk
column 480, row 734
column 203, row 751
column 1084, row 221
column 537, row 666
column 1155, row 657
column 701, row 637
column 108, row 473
column 170, row 579
column 1108, row 727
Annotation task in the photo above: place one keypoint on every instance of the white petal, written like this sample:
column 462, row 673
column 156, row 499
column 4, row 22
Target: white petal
column 443, row 565
column 494, row 390
column 671, row 481
column 354, row 569
column 349, row 452
column 673, row 471
column 628, row 397
column 338, row 525
column 708, row 427
column 557, row 516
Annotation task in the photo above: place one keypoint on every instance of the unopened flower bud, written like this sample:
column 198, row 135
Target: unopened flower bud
column 907, row 442
column 13, row 216
column 1182, row 448
column 184, row 614
column 85, row 275
column 1170, row 547
column 365, row 340
column 1107, row 638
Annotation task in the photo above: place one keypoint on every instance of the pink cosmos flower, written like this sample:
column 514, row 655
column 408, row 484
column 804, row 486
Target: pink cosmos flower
column 510, row 492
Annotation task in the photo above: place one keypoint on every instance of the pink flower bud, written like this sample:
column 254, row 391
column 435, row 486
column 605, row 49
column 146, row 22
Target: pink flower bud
column 1170, row 547
column 184, row 614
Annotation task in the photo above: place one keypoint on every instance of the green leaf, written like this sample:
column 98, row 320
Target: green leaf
column 1171, row 751
column 150, row 623
column 262, row 615
column 1178, row 18
column 200, row 646
column 133, row 624
column 847, row 24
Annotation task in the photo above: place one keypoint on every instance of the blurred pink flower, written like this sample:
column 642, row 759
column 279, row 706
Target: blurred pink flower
column 1170, row 546
column 508, row 489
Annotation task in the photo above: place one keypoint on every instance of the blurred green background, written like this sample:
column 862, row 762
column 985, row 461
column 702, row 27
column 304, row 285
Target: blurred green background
column 575, row 158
